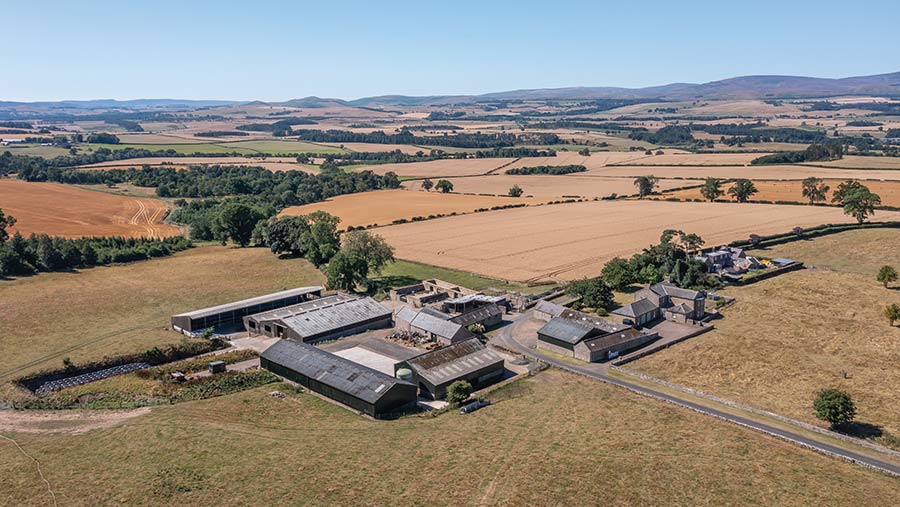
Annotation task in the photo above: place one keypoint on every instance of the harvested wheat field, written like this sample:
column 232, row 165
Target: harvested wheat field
column 377, row 147
column 64, row 210
column 270, row 163
column 860, row 162
column 384, row 206
column 793, row 191
column 443, row 168
column 686, row 158
column 763, row 172
column 570, row 241
column 552, row 187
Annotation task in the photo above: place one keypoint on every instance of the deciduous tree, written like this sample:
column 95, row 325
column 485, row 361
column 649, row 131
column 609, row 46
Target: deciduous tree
column 886, row 275
column 742, row 190
column 646, row 185
column 815, row 189
column 711, row 189
column 834, row 407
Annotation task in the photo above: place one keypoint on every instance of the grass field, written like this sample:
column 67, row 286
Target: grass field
column 270, row 163
column 569, row 241
column 35, row 150
column 273, row 146
column 64, row 210
column 889, row 191
column 858, row 162
column 301, row 450
column 119, row 309
column 400, row 273
column 787, row 337
column 552, row 187
column 384, row 206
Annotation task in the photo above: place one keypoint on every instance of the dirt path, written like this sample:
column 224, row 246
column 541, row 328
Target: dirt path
column 64, row 421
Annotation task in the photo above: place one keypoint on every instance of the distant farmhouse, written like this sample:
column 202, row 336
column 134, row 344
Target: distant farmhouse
column 587, row 337
column 664, row 300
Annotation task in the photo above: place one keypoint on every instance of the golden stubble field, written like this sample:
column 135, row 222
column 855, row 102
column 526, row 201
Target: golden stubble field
column 889, row 191
column 570, row 241
column 384, row 206
column 64, row 210
column 270, row 163
column 301, row 450
column 553, row 187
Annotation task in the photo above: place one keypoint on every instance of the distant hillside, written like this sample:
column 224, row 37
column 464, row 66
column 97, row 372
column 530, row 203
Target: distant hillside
column 137, row 104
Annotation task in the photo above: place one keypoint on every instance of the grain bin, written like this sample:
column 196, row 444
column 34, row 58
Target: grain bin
column 404, row 374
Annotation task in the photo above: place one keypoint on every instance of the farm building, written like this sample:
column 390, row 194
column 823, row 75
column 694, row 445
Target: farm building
column 473, row 301
column 231, row 314
column 589, row 338
column 545, row 310
column 665, row 300
column 488, row 316
column 321, row 319
column 432, row 324
column 357, row 386
column 428, row 292
column 467, row 360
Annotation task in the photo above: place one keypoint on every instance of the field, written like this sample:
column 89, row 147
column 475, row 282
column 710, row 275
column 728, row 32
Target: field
column 793, row 191
column 384, row 206
column 119, row 309
column 273, row 146
column 512, row 454
column 570, row 241
column 552, row 187
column 446, row 167
column 858, row 162
column 686, row 158
column 270, row 163
column 400, row 273
column 790, row 336
column 768, row 172
column 64, row 210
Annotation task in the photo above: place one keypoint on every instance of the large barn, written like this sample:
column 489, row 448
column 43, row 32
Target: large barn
column 356, row 386
column 467, row 360
column 231, row 314
column 326, row 318
column 589, row 338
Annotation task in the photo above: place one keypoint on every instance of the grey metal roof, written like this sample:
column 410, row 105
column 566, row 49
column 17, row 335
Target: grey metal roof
column 613, row 339
column 436, row 326
column 604, row 325
column 553, row 309
column 477, row 315
column 406, row 314
column 667, row 289
column 639, row 307
column 435, row 313
column 454, row 361
column 321, row 320
column 334, row 371
column 237, row 305
column 565, row 330
column 482, row 298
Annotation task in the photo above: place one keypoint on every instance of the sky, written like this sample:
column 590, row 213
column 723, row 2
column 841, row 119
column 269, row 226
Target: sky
column 272, row 51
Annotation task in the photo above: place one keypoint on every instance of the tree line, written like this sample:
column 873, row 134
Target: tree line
column 476, row 140
column 22, row 256
column 547, row 169
column 813, row 153
column 668, row 135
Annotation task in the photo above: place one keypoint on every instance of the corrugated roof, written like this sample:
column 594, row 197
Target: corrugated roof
column 565, row 330
column 477, row 315
column 435, row 313
column 613, row 339
column 553, row 309
column 591, row 320
column 454, row 361
column 406, row 314
column 667, row 289
column 436, row 326
column 236, row 305
column 482, row 298
column 334, row 371
column 309, row 320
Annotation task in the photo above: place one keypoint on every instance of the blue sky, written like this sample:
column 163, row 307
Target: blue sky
column 270, row 50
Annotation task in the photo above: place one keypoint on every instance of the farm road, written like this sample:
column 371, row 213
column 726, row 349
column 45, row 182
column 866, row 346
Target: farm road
column 509, row 338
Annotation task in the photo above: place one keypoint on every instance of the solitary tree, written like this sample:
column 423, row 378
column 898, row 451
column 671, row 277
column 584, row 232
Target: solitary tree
column 5, row 221
column 711, row 189
column 886, row 275
column 515, row 191
column 834, row 407
column 444, row 186
column 856, row 199
column 815, row 189
column 742, row 190
column 892, row 313
column 584, row 152
column 646, row 185
column 427, row 184
column 458, row 392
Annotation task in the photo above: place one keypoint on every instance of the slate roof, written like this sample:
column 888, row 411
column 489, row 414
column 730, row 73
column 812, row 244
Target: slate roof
column 639, row 307
column 552, row 309
column 667, row 289
column 320, row 316
column 591, row 320
column 237, row 305
column 565, row 330
column 334, row 371
column 454, row 361
column 435, row 313
column 406, row 314
column 477, row 315
column 613, row 339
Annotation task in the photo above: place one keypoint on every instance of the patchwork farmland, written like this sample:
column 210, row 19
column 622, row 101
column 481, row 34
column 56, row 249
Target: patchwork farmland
column 571, row 241
column 889, row 191
column 67, row 211
column 553, row 187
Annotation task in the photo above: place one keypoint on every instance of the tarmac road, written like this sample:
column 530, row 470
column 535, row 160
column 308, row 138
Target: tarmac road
column 506, row 337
